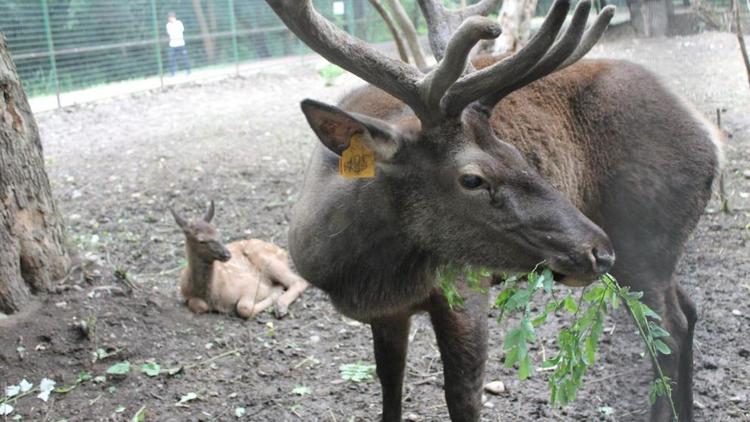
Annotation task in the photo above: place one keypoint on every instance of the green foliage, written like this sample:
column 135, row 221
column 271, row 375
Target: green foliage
column 473, row 277
column 119, row 369
column 151, row 369
column 578, row 342
column 329, row 73
column 301, row 390
column 140, row 415
column 357, row 372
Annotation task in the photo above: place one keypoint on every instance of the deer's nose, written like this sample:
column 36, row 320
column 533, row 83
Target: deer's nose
column 602, row 258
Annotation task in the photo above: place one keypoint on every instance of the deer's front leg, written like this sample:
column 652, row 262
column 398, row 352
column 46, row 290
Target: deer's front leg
column 462, row 338
column 248, row 308
column 391, row 337
column 197, row 305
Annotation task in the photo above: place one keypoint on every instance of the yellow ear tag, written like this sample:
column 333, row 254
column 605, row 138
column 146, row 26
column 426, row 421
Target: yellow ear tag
column 357, row 161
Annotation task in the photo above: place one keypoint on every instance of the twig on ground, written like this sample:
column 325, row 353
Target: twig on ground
column 215, row 358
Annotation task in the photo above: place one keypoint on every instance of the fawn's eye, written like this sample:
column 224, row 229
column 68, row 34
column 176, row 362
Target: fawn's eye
column 471, row 181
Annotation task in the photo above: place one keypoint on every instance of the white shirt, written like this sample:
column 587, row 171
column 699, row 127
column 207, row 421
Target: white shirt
column 175, row 30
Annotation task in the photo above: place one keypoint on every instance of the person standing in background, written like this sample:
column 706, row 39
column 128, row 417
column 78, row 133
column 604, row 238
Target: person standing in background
column 177, row 47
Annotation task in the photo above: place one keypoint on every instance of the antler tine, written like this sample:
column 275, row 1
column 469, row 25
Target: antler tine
column 504, row 73
column 591, row 36
column 442, row 23
column 483, row 8
column 453, row 65
column 392, row 76
column 560, row 51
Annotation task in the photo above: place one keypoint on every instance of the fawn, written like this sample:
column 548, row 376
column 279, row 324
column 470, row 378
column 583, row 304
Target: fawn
column 246, row 276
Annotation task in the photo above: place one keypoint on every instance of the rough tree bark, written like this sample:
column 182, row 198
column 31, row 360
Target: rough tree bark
column 33, row 249
column 650, row 18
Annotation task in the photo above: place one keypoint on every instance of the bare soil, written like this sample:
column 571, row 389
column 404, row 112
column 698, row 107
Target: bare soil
column 116, row 165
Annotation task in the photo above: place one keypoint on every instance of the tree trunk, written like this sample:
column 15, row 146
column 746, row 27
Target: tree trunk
column 410, row 33
column 208, row 42
column 400, row 46
column 33, row 249
column 650, row 18
column 515, row 20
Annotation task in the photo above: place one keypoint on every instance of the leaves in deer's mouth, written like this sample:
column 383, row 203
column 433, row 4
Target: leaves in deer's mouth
column 578, row 342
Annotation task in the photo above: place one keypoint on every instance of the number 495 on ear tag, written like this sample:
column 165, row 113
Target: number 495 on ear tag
column 357, row 161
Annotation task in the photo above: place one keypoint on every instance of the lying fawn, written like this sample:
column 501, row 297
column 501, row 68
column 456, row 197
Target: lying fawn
column 250, row 275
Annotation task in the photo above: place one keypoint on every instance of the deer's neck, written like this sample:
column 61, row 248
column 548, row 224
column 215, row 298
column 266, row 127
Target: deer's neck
column 367, row 264
column 199, row 273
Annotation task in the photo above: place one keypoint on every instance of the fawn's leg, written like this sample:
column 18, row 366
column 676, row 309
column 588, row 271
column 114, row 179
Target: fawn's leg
column 279, row 272
column 246, row 308
column 462, row 338
column 197, row 305
column 391, row 338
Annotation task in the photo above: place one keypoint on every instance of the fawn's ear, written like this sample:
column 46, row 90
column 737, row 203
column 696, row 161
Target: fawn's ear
column 335, row 129
column 179, row 220
column 209, row 213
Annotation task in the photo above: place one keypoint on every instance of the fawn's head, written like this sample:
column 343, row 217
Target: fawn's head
column 202, row 237
column 459, row 191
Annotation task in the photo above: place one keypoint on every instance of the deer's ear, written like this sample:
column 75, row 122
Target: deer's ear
column 336, row 127
column 178, row 219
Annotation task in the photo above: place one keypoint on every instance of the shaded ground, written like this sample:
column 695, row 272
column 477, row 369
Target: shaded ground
column 116, row 165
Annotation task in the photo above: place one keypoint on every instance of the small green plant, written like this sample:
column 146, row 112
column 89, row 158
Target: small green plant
column 151, row 369
column 187, row 398
column 140, row 415
column 357, row 372
column 119, row 369
column 329, row 73
column 578, row 342
column 301, row 390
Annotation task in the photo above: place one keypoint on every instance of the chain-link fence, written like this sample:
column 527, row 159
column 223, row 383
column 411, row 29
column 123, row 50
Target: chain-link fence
column 61, row 46
column 65, row 45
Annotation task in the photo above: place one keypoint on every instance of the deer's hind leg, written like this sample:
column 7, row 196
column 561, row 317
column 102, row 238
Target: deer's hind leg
column 646, row 263
column 678, row 316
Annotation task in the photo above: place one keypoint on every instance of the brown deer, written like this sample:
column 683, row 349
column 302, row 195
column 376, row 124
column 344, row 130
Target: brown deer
column 502, row 163
column 244, row 277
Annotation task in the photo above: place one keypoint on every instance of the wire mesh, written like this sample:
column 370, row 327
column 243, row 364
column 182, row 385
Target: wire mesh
column 65, row 45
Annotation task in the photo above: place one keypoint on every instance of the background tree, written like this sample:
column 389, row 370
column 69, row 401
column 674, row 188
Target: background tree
column 208, row 41
column 651, row 18
column 515, row 20
column 33, row 249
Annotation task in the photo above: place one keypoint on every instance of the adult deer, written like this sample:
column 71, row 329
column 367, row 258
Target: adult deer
column 487, row 164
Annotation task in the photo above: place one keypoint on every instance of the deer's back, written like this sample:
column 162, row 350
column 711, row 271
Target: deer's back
column 592, row 122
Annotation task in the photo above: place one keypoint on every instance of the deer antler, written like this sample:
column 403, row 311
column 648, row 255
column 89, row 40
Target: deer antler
column 538, row 59
column 443, row 23
column 448, row 88
column 392, row 76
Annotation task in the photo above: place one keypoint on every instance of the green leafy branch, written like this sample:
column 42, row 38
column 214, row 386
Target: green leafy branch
column 579, row 341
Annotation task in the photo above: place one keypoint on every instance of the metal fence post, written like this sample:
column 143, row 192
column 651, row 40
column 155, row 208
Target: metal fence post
column 349, row 10
column 155, row 24
column 51, row 51
column 233, row 27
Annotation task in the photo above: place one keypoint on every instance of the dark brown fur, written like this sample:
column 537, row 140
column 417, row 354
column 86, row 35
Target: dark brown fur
column 624, row 150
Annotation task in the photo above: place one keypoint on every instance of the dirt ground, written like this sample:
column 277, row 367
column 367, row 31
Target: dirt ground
column 115, row 166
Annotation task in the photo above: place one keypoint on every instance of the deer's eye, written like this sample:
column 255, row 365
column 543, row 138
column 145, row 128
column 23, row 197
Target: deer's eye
column 471, row 181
